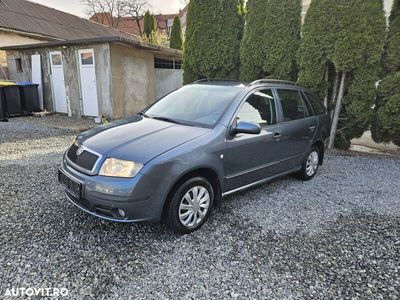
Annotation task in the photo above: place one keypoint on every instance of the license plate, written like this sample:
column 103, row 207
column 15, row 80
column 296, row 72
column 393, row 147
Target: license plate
column 74, row 187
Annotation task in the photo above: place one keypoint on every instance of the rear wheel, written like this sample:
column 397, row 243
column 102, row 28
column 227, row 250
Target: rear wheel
column 190, row 206
column 310, row 164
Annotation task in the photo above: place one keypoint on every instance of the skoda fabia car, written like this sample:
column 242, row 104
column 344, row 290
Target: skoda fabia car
column 175, row 161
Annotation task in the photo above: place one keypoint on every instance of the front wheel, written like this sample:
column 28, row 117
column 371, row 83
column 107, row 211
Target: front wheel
column 190, row 206
column 310, row 164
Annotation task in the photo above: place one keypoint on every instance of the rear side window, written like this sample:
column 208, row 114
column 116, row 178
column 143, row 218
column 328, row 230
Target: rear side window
column 259, row 108
column 293, row 105
column 316, row 104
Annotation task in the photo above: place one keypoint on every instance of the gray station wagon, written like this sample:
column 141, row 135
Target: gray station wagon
column 174, row 161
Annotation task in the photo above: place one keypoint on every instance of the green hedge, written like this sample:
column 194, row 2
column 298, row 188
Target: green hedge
column 213, row 32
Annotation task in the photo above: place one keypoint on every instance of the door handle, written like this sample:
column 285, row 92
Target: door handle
column 277, row 136
column 312, row 127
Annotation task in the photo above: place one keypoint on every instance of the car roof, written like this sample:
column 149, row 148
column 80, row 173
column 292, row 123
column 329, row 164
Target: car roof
column 260, row 82
column 220, row 82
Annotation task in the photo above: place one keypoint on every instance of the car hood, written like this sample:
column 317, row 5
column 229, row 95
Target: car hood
column 138, row 139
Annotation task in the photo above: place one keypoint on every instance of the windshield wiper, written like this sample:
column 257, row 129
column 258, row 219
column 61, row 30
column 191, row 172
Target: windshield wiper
column 168, row 120
column 143, row 115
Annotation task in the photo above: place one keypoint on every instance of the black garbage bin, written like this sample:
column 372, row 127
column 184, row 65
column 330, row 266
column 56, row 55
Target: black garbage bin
column 2, row 106
column 12, row 100
column 29, row 97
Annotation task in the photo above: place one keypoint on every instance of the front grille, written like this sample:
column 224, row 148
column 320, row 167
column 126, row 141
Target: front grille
column 86, row 160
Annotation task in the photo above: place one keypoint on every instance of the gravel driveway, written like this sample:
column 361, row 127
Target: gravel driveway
column 337, row 236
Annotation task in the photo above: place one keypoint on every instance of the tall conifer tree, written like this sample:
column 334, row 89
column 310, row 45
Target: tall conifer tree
column 271, row 39
column 149, row 24
column 252, row 54
column 212, row 42
column 386, row 125
column 340, row 53
column 282, row 37
column 176, row 34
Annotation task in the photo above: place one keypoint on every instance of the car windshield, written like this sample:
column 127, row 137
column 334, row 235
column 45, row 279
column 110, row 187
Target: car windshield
column 195, row 105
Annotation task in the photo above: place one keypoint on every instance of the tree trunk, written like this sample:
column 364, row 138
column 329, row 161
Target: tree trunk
column 338, row 109
column 327, row 81
column 335, row 91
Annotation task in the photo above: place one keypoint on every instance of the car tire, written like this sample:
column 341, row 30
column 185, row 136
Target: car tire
column 190, row 206
column 310, row 164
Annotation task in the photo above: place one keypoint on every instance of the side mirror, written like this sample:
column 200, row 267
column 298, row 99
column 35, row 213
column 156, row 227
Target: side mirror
column 247, row 127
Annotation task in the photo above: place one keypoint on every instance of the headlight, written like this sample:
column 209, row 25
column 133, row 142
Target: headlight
column 113, row 167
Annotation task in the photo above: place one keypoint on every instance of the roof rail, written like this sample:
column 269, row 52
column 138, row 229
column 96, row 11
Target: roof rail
column 214, row 79
column 275, row 81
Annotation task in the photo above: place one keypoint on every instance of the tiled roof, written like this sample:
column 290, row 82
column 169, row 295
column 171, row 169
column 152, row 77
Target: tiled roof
column 32, row 18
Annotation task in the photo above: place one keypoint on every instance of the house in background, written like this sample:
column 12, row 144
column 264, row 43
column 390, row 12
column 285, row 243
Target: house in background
column 84, row 68
column 130, row 25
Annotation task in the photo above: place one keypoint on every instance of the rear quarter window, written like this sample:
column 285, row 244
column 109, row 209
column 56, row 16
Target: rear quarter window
column 316, row 104
column 293, row 105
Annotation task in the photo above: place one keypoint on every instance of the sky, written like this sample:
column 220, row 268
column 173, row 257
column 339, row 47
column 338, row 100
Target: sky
column 76, row 7
column 157, row 6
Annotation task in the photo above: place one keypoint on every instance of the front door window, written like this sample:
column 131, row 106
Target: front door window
column 259, row 108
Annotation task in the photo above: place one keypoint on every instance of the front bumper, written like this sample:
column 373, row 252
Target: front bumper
column 106, row 197
column 109, row 211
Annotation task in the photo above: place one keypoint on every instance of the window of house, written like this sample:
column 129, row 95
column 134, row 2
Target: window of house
column 56, row 59
column 160, row 63
column 292, row 105
column 259, row 108
column 18, row 64
column 316, row 104
column 178, row 64
column 87, row 58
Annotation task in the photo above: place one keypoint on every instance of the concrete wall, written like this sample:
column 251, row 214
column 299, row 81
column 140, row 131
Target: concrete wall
column 72, row 78
column 25, row 57
column 133, row 80
column 167, row 80
column 102, row 58
column 3, row 65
